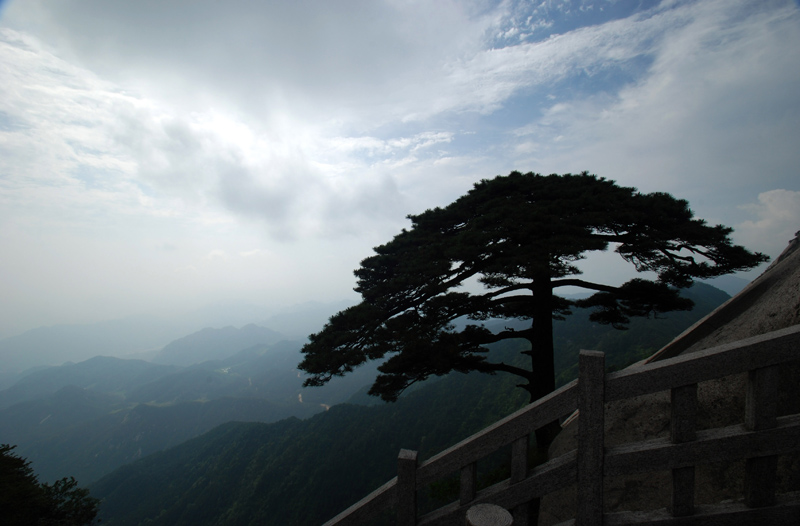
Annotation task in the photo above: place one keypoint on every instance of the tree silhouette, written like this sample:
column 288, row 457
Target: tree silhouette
column 520, row 237
column 26, row 502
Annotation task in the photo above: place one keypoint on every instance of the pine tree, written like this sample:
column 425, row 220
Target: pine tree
column 24, row 501
column 519, row 237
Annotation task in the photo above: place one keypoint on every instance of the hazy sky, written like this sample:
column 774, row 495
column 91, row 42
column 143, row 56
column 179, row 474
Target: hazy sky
column 160, row 155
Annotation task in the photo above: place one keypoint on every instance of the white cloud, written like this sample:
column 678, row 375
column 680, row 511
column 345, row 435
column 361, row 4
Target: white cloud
column 330, row 62
column 777, row 214
column 93, row 148
column 293, row 136
column 58, row 149
column 300, row 177
column 351, row 55
column 216, row 254
column 714, row 120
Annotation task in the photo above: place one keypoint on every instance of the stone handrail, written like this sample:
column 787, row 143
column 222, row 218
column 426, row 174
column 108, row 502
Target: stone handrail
column 760, row 439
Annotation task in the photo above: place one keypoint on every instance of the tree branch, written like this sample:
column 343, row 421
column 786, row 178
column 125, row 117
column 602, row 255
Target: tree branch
column 504, row 367
column 511, row 288
column 505, row 335
column 511, row 299
column 583, row 284
column 615, row 238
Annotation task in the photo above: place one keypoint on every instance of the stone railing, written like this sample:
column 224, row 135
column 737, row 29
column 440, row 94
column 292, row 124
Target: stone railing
column 760, row 439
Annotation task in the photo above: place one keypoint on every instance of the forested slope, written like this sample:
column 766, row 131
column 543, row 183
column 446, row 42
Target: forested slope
column 86, row 419
column 300, row 472
column 304, row 472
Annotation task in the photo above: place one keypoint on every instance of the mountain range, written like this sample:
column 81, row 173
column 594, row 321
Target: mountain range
column 158, row 442
column 146, row 336
column 85, row 419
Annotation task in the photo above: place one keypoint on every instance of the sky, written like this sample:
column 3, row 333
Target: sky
column 157, row 156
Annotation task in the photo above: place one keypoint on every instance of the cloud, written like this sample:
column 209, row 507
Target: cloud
column 75, row 147
column 483, row 82
column 293, row 136
column 301, row 176
column 350, row 54
column 777, row 221
column 297, row 168
column 346, row 64
column 59, row 162
column 216, row 254
column 714, row 119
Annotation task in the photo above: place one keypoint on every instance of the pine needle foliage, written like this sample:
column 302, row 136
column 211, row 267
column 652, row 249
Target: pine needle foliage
column 520, row 237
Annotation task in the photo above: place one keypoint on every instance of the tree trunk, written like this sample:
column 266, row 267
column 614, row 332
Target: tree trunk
column 543, row 380
column 543, row 376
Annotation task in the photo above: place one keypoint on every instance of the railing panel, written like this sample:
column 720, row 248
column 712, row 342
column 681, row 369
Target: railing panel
column 683, row 428
column 786, row 512
column 519, row 470
column 761, row 411
column 469, row 483
column 713, row 445
column 407, row 488
column 591, row 435
column 531, row 417
column 551, row 476
column 761, row 402
column 519, row 459
column 379, row 500
column 738, row 357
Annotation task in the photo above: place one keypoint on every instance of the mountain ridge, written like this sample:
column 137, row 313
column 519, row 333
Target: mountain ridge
column 365, row 445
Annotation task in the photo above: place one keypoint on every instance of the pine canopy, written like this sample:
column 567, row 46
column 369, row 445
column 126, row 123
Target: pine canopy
column 520, row 238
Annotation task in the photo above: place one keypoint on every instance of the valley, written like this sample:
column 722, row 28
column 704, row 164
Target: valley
column 221, row 398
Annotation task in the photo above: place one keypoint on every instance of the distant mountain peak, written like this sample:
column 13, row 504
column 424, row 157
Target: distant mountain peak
column 215, row 344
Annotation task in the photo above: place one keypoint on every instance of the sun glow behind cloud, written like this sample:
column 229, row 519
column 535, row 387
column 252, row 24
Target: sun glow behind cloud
column 291, row 138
